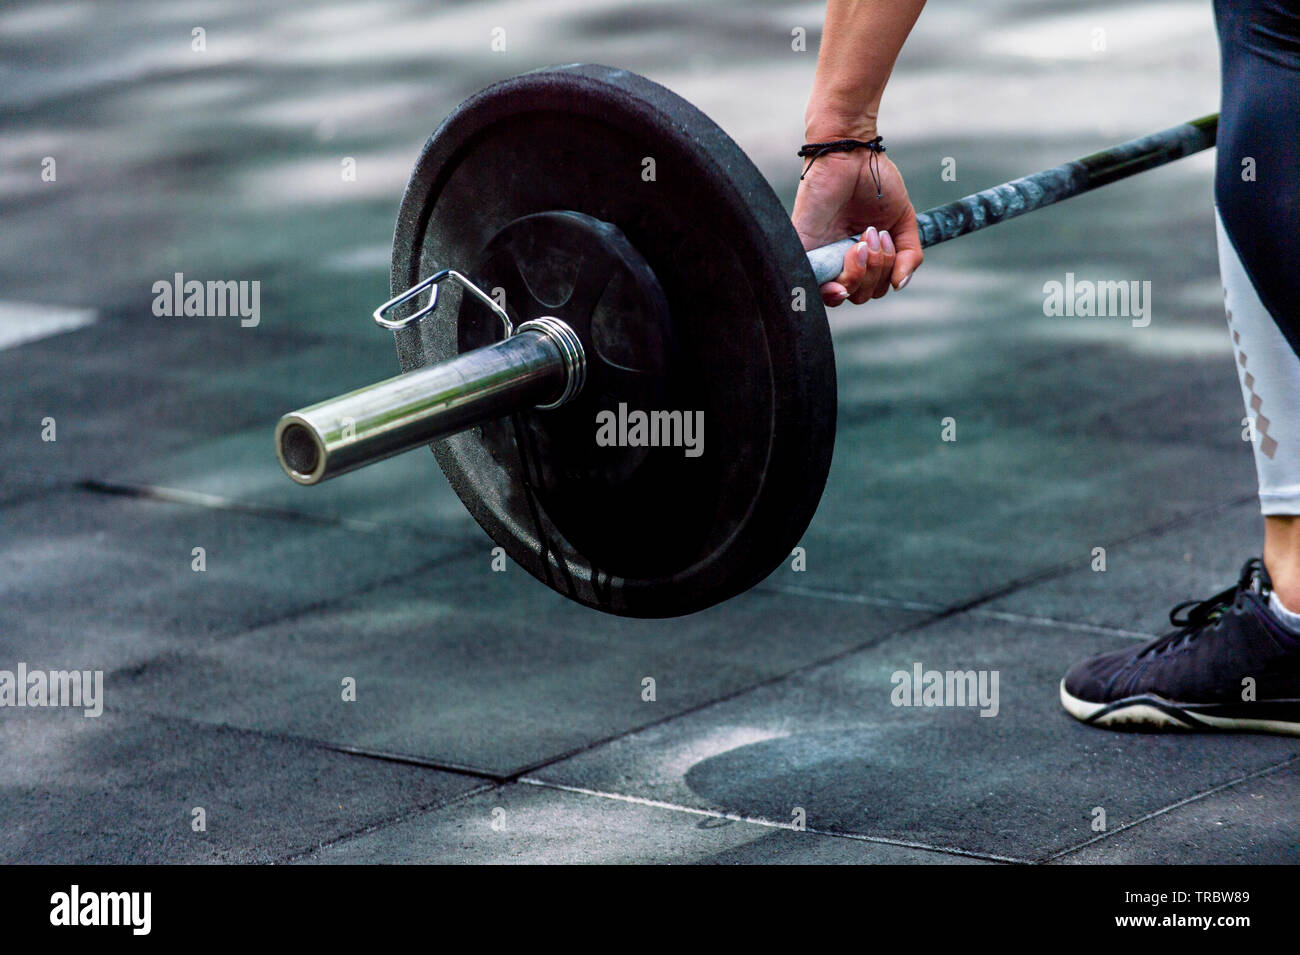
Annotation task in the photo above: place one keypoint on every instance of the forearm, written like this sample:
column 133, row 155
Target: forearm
column 860, row 42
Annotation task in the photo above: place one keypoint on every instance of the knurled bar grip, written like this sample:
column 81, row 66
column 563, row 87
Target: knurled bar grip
column 1015, row 198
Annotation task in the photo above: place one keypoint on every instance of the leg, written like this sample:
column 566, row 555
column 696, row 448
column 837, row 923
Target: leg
column 1282, row 556
column 1233, row 661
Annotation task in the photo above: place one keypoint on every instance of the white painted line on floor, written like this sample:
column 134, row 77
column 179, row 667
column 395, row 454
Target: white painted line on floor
column 759, row 821
column 796, row 590
column 1196, row 797
column 22, row 322
column 1057, row 623
column 176, row 495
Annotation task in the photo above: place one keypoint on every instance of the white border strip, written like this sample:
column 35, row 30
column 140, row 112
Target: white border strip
column 22, row 322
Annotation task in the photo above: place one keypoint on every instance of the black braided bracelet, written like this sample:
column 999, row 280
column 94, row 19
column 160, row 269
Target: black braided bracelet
column 814, row 151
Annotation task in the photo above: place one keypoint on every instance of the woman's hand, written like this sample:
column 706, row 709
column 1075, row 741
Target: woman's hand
column 837, row 199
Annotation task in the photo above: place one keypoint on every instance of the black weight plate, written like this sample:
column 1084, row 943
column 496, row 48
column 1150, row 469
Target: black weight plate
column 728, row 261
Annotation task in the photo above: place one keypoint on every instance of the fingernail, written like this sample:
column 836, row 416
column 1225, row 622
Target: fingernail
column 873, row 239
column 862, row 253
column 906, row 278
column 887, row 243
column 839, row 298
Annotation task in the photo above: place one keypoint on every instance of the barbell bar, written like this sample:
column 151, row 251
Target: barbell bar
column 1041, row 189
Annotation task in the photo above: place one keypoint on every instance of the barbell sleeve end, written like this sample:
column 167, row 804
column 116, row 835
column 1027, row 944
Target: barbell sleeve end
column 542, row 365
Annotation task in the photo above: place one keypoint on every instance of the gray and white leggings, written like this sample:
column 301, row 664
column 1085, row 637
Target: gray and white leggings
column 1257, row 200
column 1269, row 372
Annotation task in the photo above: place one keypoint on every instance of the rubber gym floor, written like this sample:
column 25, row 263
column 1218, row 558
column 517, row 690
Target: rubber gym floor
column 494, row 721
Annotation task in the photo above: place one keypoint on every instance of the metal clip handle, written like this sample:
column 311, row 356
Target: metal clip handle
column 431, row 283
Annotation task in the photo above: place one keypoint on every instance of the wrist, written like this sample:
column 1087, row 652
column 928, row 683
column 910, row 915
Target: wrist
column 823, row 123
column 829, row 132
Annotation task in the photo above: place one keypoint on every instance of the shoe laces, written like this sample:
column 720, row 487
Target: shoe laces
column 1192, row 618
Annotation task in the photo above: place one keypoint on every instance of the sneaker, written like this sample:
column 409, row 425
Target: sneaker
column 1229, row 664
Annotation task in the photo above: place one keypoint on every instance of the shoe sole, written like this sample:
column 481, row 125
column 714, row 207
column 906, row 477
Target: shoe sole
column 1154, row 712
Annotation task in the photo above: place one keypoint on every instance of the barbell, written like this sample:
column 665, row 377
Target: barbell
column 608, row 274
